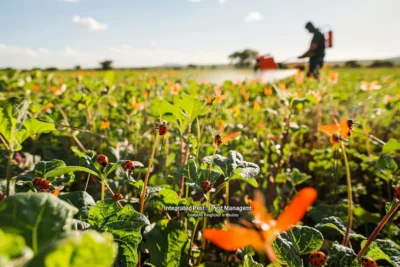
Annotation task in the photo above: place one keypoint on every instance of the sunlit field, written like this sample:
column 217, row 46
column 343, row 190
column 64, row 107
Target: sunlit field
column 205, row 168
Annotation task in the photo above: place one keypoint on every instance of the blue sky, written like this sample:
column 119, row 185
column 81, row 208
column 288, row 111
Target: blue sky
column 64, row 33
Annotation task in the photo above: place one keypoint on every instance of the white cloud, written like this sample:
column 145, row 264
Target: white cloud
column 194, row 1
column 71, row 1
column 223, row 2
column 153, row 43
column 89, row 23
column 12, row 50
column 254, row 16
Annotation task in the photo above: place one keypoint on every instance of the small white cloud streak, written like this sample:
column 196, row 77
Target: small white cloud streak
column 254, row 16
column 89, row 23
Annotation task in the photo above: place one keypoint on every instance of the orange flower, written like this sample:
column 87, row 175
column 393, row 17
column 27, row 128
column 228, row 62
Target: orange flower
column 299, row 76
column 145, row 94
column 219, row 98
column 105, row 124
column 235, row 237
column 267, row 91
column 261, row 126
column 333, row 77
column 135, row 105
column 152, row 81
column 235, row 111
column 48, row 106
column 386, row 99
column 257, row 106
column 282, row 86
column 58, row 91
column 209, row 100
column 175, row 88
column 35, row 88
column 366, row 86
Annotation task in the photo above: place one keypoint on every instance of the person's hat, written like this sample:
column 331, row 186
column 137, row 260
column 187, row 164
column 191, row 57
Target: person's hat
column 310, row 26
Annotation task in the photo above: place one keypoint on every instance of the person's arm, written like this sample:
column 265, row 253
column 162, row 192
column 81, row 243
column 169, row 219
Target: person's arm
column 312, row 48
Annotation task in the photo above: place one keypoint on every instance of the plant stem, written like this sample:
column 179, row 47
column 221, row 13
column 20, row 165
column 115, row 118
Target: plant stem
column 378, row 229
column 349, row 197
column 227, row 195
column 102, row 189
column 8, row 173
column 203, row 240
column 192, row 240
column 212, row 158
column 146, row 179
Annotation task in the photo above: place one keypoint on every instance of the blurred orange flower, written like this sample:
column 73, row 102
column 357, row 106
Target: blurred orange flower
column 145, row 94
column 48, row 106
column 386, row 99
column 174, row 88
column 257, row 106
column 333, row 77
column 35, row 88
column 105, row 124
column 235, row 111
column 366, row 86
column 135, row 105
column 267, row 91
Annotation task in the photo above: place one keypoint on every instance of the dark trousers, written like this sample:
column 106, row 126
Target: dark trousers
column 315, row 65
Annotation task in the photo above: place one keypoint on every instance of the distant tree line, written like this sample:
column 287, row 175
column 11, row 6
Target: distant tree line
column 243, row 59
column 374, row 64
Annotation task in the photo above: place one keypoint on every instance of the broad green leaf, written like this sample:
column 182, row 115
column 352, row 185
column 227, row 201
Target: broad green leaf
column 69, row 169
column 332, row 227
column 167, row 243
column 43, row 217
column 234, row 167
column 109, row 78
column 322, row 211
column 87, row 248
column 340, row 256
column 249, row 262
column 192, row 107
column 299, row 241
column 298, row 177
column 33, row 127
column 391, row 146
column 194, row 176
column 81, row 200
column 286, row 251
column 386, row 162
column 8, row 123
column 384, row 250
column 169, row 197
column 125, row 224
column 43, row 167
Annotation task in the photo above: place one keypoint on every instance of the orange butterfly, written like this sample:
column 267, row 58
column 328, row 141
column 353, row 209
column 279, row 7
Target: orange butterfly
column 338, row 131
column 235, row 237
column 219, row 139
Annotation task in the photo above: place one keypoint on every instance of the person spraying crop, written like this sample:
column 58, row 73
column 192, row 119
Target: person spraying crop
column 316, row 52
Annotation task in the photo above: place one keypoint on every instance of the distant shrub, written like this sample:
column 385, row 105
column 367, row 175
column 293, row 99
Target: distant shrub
column 352, row 64
column 381, row 64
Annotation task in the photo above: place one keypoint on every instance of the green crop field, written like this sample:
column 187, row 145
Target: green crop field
column 163, row 168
